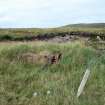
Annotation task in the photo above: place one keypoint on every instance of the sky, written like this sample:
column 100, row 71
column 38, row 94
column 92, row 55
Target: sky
column 50, row 13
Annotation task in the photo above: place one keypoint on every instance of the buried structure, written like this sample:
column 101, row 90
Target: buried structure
column 44, row 57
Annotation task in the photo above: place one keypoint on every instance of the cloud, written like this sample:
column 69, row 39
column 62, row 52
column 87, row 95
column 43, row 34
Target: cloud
column 5, row 18
column 45, row 13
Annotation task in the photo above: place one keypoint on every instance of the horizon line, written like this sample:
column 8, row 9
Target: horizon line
column 79, row 23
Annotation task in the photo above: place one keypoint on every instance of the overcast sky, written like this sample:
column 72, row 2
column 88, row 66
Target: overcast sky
column 50, row 13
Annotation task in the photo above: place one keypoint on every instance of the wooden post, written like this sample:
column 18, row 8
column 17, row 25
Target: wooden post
column 83, row 82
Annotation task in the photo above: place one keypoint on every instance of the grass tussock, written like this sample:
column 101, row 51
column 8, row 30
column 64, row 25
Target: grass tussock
column 19, row 82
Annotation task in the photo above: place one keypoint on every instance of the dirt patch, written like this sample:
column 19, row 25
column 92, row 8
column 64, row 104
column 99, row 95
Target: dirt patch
column 66, row 38
column 60, row 39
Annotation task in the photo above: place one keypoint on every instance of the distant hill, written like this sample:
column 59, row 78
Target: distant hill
column 86, row 25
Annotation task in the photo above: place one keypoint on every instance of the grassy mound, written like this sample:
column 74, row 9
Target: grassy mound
column 29, row 84
column 90, row 30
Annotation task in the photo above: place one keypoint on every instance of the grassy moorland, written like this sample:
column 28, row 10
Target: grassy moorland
column 36, row 33
column 29, row 84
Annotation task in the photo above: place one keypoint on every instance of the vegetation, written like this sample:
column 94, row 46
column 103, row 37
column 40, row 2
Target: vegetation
column 36, row 33
column 29, row 84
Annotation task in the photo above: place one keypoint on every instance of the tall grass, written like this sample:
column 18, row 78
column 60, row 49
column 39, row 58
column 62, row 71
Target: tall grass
column 18, row 81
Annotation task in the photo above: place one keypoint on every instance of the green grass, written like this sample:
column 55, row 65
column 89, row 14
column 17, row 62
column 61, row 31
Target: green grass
column 18, row 81
column 21, row 34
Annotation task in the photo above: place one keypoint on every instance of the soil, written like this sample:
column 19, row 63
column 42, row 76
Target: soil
column 67, row 38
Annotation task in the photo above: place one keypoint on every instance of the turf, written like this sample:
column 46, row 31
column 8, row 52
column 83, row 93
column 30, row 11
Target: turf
column 20, row 82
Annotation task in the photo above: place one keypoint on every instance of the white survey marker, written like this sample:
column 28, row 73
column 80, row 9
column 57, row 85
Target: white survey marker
column 83, row 82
